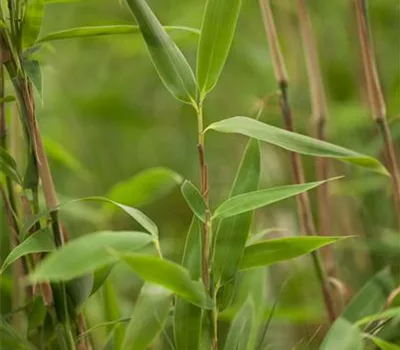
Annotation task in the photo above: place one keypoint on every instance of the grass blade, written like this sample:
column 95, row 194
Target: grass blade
column 168, row 60
column 294, row 142
column 381, row 344
column 217, row 32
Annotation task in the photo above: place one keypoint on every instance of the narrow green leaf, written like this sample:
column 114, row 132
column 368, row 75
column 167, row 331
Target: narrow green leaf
column 145, row 187
column 32, row 22
column 7, row 99
column 217, row 32
column 100, row 276
column 171, row 276
column 148, row 318
column 389, row 313
column 8, row 166
column 295, row 142
column 344, row 336
column 238, row 337
column 371, row 298
column 11, row 339
column 79, row 290
column 188, row 317
column 34, row 73
column 194, row 199
column 39, row 242
column 136, row 214
column 382, row 344
column 257, row 199
column 94, row 31
column 276, row 250
column 88, row 253
column 232, row 232
column 170, row 63
column 112, row 312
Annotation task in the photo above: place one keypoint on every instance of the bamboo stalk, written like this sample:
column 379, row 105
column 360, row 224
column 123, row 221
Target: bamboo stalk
column 376, row 100
column 319, row 117
column 303, row 201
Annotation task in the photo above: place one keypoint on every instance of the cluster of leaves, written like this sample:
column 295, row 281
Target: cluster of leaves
column 236, row 258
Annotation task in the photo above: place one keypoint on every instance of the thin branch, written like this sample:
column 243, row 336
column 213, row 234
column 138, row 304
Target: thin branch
column 304, row 207
column 375, row 98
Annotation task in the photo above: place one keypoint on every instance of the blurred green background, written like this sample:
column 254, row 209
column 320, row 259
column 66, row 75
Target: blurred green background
column 105, row 106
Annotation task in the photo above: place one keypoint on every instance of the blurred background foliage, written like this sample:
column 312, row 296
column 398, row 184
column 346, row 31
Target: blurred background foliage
column 106, row 116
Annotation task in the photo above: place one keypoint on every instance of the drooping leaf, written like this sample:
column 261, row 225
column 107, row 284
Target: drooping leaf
column 34, row 73
column 343, row 335
column 11, row 339
column 94, row 31
column 253, row 200
column 389, row 313
column 79, row 290
column 32, row 22
column 194, row 199
column 232, row 232
column 170, row 63
column 88, row 253
column 134, row 213
column 39, row 242
column 145, row 187
column 276, row 250
column 382, row 344
column 295, row 142
column 8, row 166
column 239, row 332
column 217, row 32
column 100, row 276
column 169, row 275
column 151, row 309
column 188, row 317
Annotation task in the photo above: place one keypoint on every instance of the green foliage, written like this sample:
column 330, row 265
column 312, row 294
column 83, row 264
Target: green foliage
column 195, row 200
column 343, row 335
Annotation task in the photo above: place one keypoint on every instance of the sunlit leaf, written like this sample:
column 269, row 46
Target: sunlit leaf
column 232, row 232
column 295, row 142
column 88, row 253
column 145, row 187
column 32, row 21
column 389, row 313
column 151, row 309
column 382, row 344
column 344, row 336
column 276, row 250
column 39, row 242
column 195, row 200
column 257, row 199
column 169, row 275
column 188, row 317
column 168, row 60
column 217, row 31
column 95, row 31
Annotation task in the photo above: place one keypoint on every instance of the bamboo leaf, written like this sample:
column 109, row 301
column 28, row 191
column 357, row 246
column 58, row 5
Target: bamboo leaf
column 151, row 309
column 295, row 142
column 188, row 317
column 11, row 339
column 232, row 232
column 8, row 166
column 32, row 22
column 100, row 276
column 170, row 63
column 79, row 290
column 239, row 332
column 382, row 344
column 39, row 242
column 257, row 199
column 88, row 253
column 194, row 199
column 145, row 187
column 95, row 31
column 217, row 32
column 276, row 250
column 389, row 313
column 169, row 275
column 34, row 73
column 344, row 336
